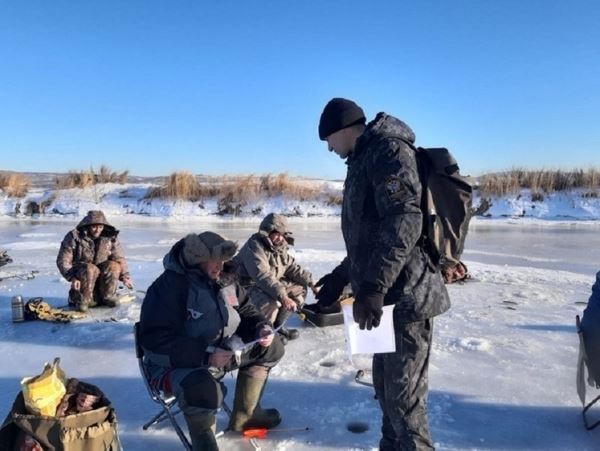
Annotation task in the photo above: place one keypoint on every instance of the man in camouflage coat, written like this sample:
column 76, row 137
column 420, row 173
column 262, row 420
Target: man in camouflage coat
column 386, row 263
column 92, row 259
column 276, row 283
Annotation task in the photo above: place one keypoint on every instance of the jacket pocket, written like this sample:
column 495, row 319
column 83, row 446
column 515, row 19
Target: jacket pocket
column 404, row 309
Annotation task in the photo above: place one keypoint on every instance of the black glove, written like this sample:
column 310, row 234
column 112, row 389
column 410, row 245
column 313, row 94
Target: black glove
column 332, row 285
column 368, row 306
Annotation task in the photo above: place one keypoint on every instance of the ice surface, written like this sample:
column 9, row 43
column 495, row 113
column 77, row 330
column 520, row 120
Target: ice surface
column 502, row 374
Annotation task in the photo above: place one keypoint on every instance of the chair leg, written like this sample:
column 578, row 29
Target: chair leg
column 160, row 416
column 184, row 440
column 227, row 409
column 589, row 426
column 166, row 414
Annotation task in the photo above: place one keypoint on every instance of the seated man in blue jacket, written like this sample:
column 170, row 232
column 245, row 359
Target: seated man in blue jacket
column 194, row 322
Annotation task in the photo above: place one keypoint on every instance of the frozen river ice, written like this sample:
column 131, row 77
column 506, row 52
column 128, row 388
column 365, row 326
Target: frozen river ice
column 503, row 364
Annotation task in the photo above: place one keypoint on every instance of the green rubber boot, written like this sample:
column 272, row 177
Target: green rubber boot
column 247, row 412
column 202, row 432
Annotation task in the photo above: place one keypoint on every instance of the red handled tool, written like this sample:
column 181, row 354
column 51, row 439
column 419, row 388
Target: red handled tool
column 263, row 432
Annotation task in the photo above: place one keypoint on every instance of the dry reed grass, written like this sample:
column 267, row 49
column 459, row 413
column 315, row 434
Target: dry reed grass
column 86, row 178
column 232, row 192
column 14, row 184
column 180, row 185
column 540, row 181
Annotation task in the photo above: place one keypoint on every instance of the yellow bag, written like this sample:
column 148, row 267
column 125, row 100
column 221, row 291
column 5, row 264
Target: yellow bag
column 43, row 393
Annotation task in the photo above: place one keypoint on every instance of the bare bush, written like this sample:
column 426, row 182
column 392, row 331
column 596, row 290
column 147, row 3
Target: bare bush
column 334, row 199
column 234, row 192
column 86, row 178
column 181, row 185
column 75, row 179
column 283, row 185
column 14, row 184
column 106, row 175
column 540, row 181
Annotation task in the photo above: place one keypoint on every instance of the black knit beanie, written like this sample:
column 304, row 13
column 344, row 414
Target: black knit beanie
column 338, row 114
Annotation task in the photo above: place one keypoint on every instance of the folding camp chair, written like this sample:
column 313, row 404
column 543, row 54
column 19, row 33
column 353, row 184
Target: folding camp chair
column 593, row 378
column 166, row 401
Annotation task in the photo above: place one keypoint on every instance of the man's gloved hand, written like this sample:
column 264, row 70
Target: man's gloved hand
column 331, row 287
column 368, row 307
column 455, row 273
column 127, row 281
column 266, row 335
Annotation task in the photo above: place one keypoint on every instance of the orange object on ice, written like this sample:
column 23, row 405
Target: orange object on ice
column 255, row 433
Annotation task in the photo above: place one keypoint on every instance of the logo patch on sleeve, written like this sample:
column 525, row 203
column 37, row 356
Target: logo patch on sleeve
column 394, row 186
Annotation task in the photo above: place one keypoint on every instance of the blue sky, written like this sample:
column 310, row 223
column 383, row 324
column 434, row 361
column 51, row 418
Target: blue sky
column 219, row 87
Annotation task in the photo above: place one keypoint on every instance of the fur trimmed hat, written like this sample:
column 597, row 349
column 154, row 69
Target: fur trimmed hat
column 207, row 246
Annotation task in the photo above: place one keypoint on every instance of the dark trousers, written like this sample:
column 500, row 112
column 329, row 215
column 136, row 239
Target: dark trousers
column 400, row 381
column 200, row 390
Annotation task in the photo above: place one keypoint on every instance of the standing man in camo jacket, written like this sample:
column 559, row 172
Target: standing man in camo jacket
column 386, row 263
column 92, row 259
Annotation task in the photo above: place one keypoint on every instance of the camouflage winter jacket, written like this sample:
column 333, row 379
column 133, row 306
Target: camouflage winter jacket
column 382, row 223
column 77, row 247
column 261, row 263
column 184, row 313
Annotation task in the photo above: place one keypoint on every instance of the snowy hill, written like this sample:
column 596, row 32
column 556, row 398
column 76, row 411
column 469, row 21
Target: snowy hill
column 130, row 199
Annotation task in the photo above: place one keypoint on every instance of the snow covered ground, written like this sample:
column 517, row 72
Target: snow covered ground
column 502, row 374
column 129, row 200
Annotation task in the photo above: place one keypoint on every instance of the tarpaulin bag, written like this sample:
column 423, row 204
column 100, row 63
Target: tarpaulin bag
column 94, row 430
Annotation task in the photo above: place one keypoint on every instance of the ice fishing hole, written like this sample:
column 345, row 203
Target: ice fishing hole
column 357, row 427
column 327, row 363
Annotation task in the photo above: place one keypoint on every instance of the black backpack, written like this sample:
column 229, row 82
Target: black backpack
column 446, row 204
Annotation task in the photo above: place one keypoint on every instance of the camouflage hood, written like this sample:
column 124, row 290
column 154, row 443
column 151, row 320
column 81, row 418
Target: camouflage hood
column 278, row 223
column 386, row 126
column 97, row 217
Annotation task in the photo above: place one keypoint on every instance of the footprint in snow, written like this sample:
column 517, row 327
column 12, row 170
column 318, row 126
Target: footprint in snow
column 473, row 344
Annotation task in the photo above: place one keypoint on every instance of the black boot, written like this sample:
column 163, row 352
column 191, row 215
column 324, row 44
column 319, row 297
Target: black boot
column 289, row 334
column 112, row 301
column 285, row 333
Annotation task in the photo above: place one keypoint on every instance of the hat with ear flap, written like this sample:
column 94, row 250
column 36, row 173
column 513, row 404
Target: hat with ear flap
column 207, row 246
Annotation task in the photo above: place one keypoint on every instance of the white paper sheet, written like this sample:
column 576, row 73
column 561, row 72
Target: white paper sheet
column 377, row 340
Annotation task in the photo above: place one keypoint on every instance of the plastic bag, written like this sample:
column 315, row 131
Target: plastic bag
column 43, row 393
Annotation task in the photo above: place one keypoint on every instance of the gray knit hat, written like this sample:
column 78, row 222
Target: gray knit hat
column 207, row 246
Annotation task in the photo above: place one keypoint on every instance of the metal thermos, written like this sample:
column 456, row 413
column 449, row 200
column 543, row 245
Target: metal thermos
column 18, row 314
